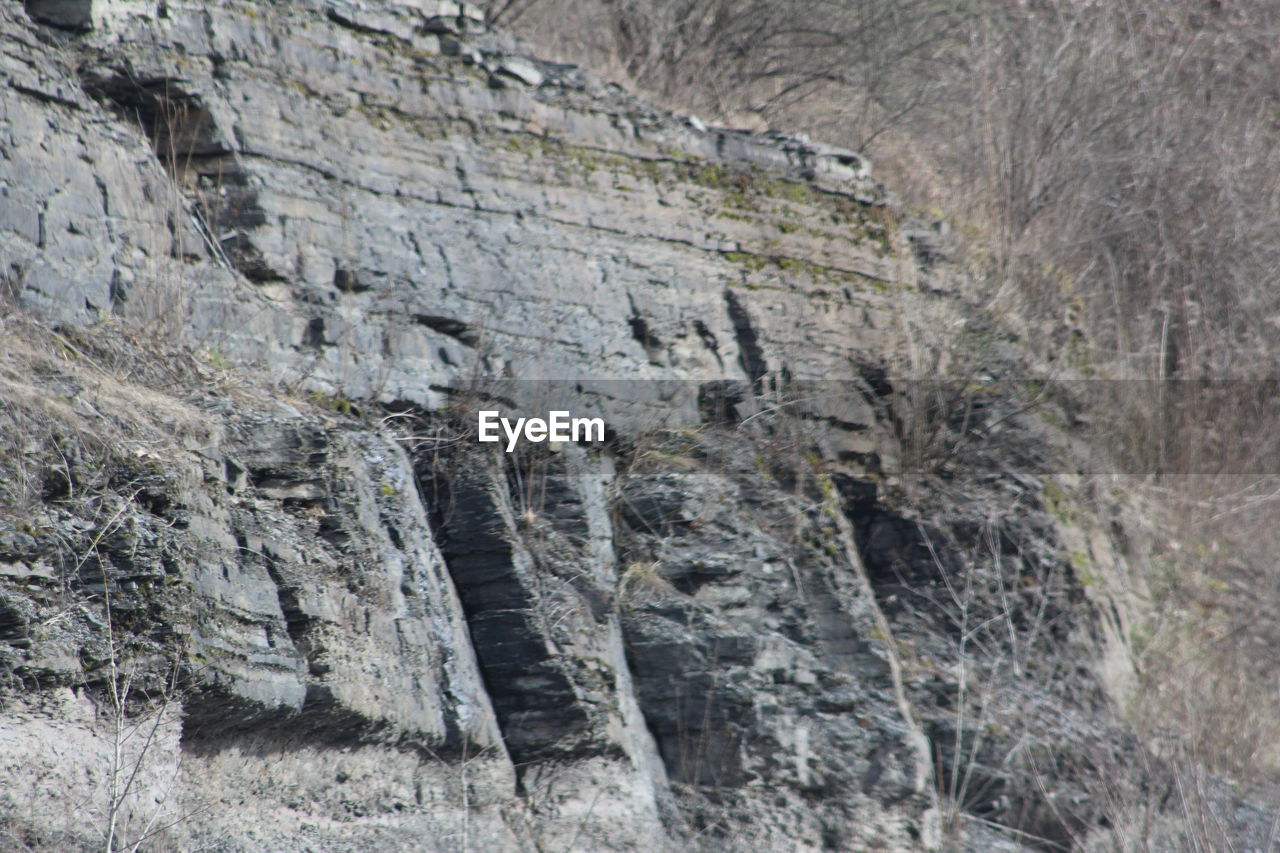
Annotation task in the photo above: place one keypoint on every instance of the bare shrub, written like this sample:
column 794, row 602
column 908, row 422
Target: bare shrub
column 866, row 62
column 1119, row 168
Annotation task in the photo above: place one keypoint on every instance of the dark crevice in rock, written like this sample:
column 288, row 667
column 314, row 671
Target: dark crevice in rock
column 709, row 340
column 877, row 379
column 313, row 337
column 248, row 260
column 215, row 719
column 355, row 26
column 534, row 689
column 643, row 335
column 74, row 15
column 900, row 555
column 707, row 336
column 348, row 281
column 185, row 139
column 214, row 713
column 176, row 121
column 750, row 354
column 14, row 628
column 695, row 712
column 720, row 401
column 986, row 593
column 296, row 620
column 43, row 96
column 456, row 329
column 970, row 771
column 118, row 291
column 229, row 207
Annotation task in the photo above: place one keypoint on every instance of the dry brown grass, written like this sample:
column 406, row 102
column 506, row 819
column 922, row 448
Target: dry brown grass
column 75, row 403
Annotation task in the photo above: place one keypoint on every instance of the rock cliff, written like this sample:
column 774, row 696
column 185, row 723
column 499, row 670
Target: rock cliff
column 260, row 588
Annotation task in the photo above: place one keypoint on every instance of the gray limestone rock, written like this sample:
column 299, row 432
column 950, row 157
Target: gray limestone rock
column 348, row 626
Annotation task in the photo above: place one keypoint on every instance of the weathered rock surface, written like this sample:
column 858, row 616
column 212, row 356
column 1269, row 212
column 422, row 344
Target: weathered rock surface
column 344, row 626
column 753, row 639
column 403, row 224
column 275, row 577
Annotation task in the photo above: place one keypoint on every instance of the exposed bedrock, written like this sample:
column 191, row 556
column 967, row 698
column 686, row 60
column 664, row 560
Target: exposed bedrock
column 260, row 263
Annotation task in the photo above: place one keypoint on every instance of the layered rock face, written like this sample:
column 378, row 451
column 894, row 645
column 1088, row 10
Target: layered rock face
column 274, row 596
column 383, row 206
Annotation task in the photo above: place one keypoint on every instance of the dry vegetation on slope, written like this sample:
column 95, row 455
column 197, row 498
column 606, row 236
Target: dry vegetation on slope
column 1111, row 172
